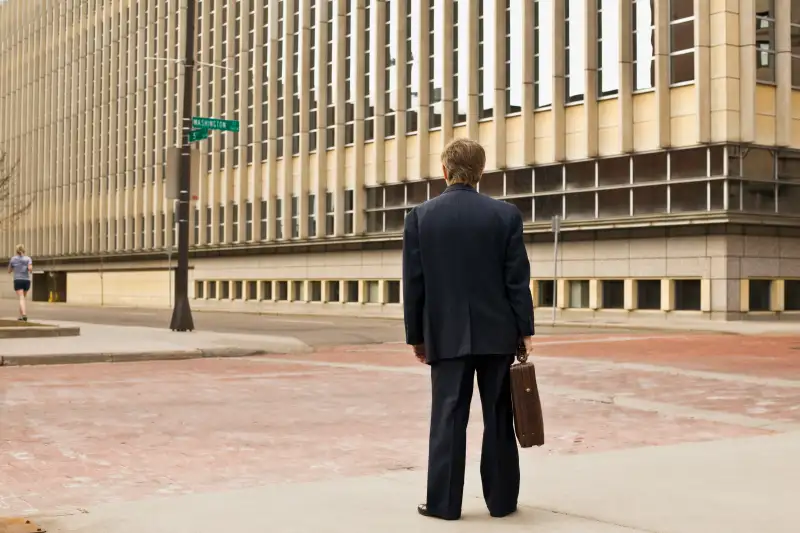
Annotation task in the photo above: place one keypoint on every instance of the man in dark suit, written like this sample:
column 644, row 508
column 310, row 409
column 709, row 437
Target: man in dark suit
column 468, row 309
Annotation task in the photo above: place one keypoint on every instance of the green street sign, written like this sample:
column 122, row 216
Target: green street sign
column 215, row 124
column 198, row 135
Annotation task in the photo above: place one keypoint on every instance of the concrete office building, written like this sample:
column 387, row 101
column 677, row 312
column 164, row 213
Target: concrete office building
column 665, row 133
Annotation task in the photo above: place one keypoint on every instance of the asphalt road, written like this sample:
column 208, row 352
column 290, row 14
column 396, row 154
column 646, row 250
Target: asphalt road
column 313, row 330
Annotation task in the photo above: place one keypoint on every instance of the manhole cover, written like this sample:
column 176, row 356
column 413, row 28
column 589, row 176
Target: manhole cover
column 19, row 525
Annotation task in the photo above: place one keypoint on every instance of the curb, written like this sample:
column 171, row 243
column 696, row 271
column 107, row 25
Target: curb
column 33, row 332
column 134, row 357
column 643, row 327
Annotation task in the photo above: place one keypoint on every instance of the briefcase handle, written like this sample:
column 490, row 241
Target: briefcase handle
column 522, row 353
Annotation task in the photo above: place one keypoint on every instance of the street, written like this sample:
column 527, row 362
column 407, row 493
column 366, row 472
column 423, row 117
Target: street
column 313, row 330
column 84, row 446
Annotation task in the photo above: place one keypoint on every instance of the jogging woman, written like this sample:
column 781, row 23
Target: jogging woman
column 22, row 266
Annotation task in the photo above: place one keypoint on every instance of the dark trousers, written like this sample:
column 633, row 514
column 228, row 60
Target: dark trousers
column 452, row 383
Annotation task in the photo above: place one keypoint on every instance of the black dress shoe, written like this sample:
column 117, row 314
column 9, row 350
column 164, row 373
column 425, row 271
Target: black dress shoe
column 424, row 511
column 503, row 515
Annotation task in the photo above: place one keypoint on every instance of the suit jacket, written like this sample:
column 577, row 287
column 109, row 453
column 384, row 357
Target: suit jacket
column 466, row 276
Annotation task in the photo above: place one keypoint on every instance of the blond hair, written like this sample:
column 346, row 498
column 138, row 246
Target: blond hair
column 20, row 249
column 464, row 161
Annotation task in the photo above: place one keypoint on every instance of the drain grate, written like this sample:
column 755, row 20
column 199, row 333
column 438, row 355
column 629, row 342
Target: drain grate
column 19, row 525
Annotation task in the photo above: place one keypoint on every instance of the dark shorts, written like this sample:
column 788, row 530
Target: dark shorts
column 22, row 285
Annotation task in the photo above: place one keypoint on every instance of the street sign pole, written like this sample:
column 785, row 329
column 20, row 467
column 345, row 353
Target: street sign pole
column 181, row 311
column 556, row 230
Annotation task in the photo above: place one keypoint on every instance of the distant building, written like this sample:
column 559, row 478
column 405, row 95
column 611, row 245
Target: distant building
column 666, row 138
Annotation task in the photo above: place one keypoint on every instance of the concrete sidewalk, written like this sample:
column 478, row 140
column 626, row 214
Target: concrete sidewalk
column 735, row 486
column 102, row 343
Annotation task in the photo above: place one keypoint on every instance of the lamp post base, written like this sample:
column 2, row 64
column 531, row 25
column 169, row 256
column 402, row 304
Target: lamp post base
column 182, row 315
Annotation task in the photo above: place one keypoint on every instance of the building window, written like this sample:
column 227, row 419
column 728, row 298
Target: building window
column 330, row 110
column 393, row 292
column 515, row 29
column 791, row 295
column 613, row 294
column 280, row 43
column 644, row 33
column 460, row 60
column 199, row 287
column 648, row 296
column 209, row 225
column 238, row 290
column 266, row 290
column 312, row 215
column 390, row 75
column 298, row 292
column 372, row 292
column 282, row 289
column 369, row 73
column 687, row 295
column 221, row 224
column 412, row 65
column 224, row 290
column 765, row 41
column 330, row 219
column 681, row 41
column 760, row 295
column 315, row 287
column 574, row 49
column 235, row 223
column 278, row 218
column 351, row 291
column 349, row 211
column 333, row 291
column 486, row 63
column 312, row 76
column 350, row 73
column 212, row 290
column 296, row 79
column 248, row 215
column 542, row 56
column 435, row 63
column 264, row 85
column 607, row 47
column 252, row 290
column 795, row 42
column 295, row 217
column 546, row 293
column 579, row 294
column 263, row 228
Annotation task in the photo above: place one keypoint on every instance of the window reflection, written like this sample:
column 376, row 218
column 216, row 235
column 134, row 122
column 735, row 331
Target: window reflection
column 390, row 39
column 758, row 163
column 574, row 49
column 758, row 197
column 688, row 197
column 795, row 42
column 608, row 47
column 460, row 60
column 579, row 206
column 644, row 72
column 650, row 200
column 546, row 207
column 765, row 41
column 542, row 57
column 412, row 65
column 514, row 35
column 436, row 51
column 681, row 33
column 614, row 203
column 486, row 66
column 370, row 46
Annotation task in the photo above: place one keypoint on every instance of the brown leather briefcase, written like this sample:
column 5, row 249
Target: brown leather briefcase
column 528, row 420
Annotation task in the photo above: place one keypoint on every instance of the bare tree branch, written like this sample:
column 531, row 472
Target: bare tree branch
column 12, row 206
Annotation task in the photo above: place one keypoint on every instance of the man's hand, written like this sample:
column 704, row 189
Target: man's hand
column 419, row 352
column 525, row 349
column 528, row 343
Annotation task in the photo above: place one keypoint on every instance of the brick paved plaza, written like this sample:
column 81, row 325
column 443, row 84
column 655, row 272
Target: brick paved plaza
column 77, row 436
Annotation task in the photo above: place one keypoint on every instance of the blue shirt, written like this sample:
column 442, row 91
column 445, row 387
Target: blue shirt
column 19, row 264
